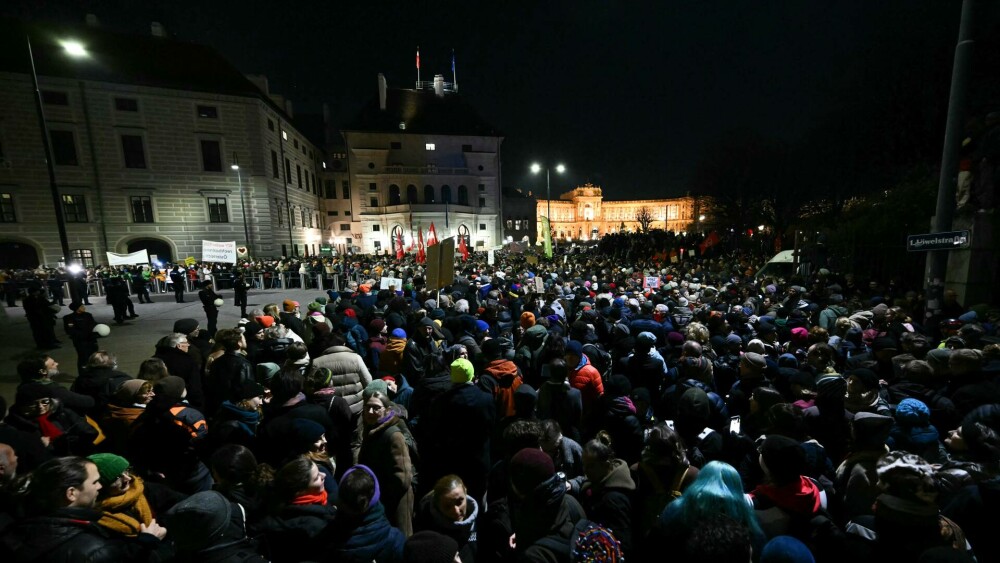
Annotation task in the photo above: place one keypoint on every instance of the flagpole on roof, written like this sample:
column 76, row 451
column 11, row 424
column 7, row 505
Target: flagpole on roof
column 418, row 66
column 454, row 75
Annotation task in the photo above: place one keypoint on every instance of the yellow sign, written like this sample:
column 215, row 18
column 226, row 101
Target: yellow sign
column 190, row 261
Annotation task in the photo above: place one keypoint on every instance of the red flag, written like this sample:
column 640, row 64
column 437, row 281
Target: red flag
column 462, row 248
column 421, row 257
column 711, row 240
column 432, row 237
column 399, row 245
column 418, row 58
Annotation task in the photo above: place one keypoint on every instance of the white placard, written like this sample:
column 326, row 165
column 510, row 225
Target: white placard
column 539, row 284
column 652, row 282
column 138, row 257
column 218, row 251
column 395, row 282
column 491, row 258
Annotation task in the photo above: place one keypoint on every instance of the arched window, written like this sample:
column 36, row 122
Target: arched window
column 446, row 194
column 411, row 194
column 394, row 198
column 428, row 194
column 463, row 195
column 397, row 231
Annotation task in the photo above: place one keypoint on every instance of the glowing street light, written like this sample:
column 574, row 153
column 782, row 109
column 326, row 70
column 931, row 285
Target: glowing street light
column 535, row 169
column 74, row 49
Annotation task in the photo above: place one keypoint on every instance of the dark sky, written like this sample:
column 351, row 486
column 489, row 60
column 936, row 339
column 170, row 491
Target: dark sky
column 626, row 94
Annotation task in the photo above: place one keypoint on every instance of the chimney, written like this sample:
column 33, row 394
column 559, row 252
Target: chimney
column 91, row 20
column 439, row 85
column 157, row 29
column 381, row 91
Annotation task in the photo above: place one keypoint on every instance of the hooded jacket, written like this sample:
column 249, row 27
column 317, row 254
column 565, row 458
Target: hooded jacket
column 501, row 380
column 609, row 502
column 367, row 538
column 777, row 507
column 350, row 374
column 464, row 531
column 587, row 379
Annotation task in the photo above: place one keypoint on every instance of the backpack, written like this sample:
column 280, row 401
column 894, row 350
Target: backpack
column 586, row 535
column 600, row 359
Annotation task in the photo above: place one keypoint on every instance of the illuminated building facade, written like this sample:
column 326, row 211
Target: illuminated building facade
column 583, row 214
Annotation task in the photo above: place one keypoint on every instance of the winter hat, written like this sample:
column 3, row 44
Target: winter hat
column 303, row 433
column 753, row 360
column 249, row 390
column 482, row 326
column 350, row 313
column 129, row 390
column 831, row 387
column 321, row 300
column 429, row 547
column 31, row 392
column 288, row 305
column 527, row 320
column 529, row 468
column 438, row 314
column 783, row 458
column 866, row 377
column 376, row 326
column 199, row 520
column 334, row 295
column 647, row 339
column 185, row 326
column 597, row 543
column 574, row 347
column 675, row 338
column 491, row 349
column 376, row 386
column 734, row 339
column 110, row 466
column 399, row 333
column 462, row 371
column 912, row 412
column 265, row 321
column 788, row 361
column 786, row 549
column 800, row 337
column 170, row 387
column 314, row 307
column 870, row 430
column 266, row 370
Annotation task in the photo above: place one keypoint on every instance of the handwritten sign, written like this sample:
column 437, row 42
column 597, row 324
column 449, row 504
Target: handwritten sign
column 218, row 251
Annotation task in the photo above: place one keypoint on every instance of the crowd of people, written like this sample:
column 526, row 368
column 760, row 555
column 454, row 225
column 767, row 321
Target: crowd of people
column 672, row 409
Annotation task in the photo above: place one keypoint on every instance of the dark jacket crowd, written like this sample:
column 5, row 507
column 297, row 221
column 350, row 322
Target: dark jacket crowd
column 525, row 412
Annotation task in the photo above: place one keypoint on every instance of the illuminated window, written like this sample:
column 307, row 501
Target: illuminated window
column 429, row 146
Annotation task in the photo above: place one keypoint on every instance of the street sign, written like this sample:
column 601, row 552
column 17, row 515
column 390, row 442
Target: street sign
column 938, row 241
column 326, row 251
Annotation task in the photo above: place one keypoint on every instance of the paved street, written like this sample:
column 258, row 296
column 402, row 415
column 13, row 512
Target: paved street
column 132, row 342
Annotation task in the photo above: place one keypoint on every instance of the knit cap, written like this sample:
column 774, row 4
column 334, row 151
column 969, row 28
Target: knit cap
column 304, row 433
column 831, row 387
column 249, row 390
column 527, row 320
column 753, row 360
column 399, row 333
column 376, row 326
column 110, row 466
column 170, row 387
column 265, row 321
column 783, row 458
column 529, row 468
column 315, row 307
column 429, row 547
column 185, row 326
column 462, row 371
column 288, row 305
column 129, row 390
column 266, row 370
column 199, row 520
column 786, row 549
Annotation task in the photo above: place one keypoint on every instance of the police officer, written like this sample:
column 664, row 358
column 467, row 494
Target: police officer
column 178, row 277
column 208, row 297
column 240, row 287
column 79, row 326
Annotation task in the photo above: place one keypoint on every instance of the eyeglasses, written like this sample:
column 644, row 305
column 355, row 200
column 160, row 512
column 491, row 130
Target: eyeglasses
column 42, row 403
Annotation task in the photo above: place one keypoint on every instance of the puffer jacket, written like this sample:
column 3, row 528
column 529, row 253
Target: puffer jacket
column 587, row 379
column 391, row 359
column 350, row 374
column 365, row 539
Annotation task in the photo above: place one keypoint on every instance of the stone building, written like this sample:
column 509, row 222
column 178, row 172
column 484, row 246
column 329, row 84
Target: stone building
column 144, row 132
column 582, row 214
column 416, row 157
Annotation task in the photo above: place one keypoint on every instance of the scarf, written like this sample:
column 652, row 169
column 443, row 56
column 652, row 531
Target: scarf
column 311, row 498
column 47, row 427
column 247, row 420
column 124, row 513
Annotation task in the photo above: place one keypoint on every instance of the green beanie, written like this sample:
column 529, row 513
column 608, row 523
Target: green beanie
column 314, row 306
column 110, row 466
column 462, row 371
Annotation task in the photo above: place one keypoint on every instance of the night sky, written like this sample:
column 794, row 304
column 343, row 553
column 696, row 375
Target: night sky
column 628, row 95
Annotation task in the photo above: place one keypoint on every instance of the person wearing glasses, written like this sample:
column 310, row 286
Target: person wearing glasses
column 62, row 431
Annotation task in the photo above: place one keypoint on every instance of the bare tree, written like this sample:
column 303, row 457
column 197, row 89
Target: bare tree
column 644, row 217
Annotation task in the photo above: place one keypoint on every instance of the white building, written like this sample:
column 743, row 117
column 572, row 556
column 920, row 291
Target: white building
column 144, row 131
column 413, row 158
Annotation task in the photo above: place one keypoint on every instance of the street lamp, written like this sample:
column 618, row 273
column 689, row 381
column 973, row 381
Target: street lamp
column 535, row 169
column 243, row 206
column 76, row 50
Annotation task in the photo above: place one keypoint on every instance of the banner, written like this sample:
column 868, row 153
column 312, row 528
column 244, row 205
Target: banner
column 547, row 231
column 218, row 251
column 138, row 257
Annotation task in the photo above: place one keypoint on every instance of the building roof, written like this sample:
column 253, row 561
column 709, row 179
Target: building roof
column 424, row 113
column 144, row 60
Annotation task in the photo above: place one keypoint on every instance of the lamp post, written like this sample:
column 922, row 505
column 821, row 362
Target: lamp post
column 243, row 206
column 76, row 50
column 535, row 169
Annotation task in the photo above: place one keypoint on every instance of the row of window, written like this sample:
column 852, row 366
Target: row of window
column 75, row 210
column 304, row 218
column 518, row 224
column 131, row 105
